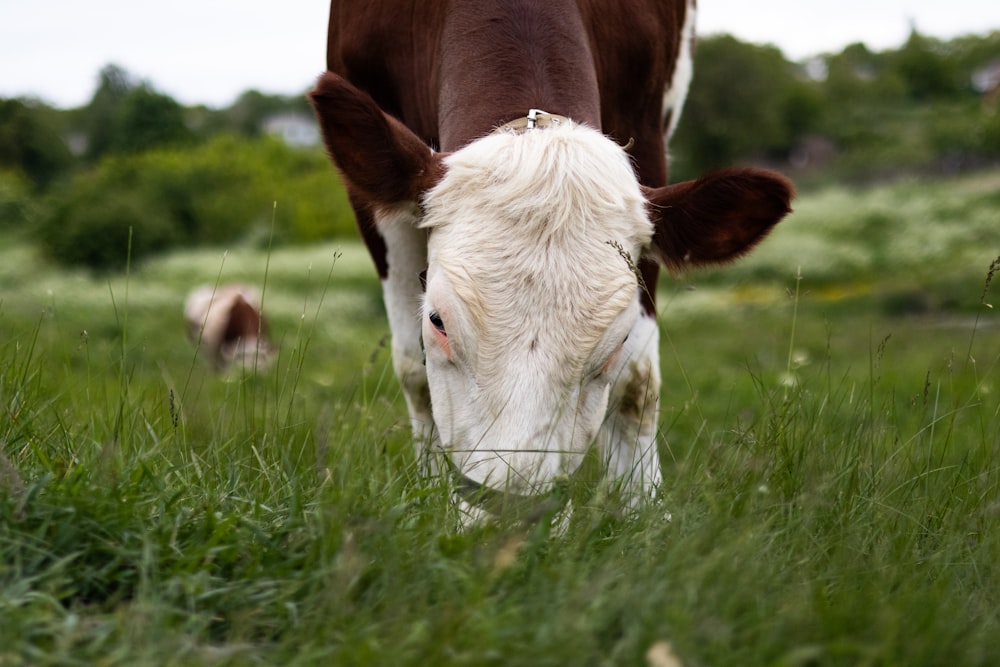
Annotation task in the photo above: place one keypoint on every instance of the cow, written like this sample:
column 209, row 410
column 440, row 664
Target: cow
column 226, row 321
column 506, row 162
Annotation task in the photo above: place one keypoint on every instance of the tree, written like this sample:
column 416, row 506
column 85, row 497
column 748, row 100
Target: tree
column 126, row 116
column 100, row 117
column 857, row 76
column 250, row 110
column 745, row 102
column 926, row 70
column 30, row 143
column 148, row 119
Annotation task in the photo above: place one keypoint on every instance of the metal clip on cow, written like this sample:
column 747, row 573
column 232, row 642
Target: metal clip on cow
column 539, row 233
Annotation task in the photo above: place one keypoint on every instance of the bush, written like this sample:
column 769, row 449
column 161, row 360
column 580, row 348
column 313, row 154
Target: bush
column 15, row 203
column 991, row 134
column 91, row 228
column 745, row 102
column 148, row 119
column 30, row 144
column 225, row 191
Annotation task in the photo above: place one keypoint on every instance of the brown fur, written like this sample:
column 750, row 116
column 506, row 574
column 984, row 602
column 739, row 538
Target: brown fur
column 717, row 218
column 406, row 76
column 413, row 90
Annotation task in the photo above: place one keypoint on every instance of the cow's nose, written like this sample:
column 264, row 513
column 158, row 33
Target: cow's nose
column 507, row 504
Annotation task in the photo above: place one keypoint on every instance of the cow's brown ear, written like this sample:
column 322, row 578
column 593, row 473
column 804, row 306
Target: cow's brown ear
column 379, row 156
column 716, row 218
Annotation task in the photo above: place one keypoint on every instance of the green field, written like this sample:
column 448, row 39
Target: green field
column 830, row 435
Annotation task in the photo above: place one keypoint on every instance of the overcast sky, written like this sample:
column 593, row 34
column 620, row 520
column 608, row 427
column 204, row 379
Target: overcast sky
column 209, row 51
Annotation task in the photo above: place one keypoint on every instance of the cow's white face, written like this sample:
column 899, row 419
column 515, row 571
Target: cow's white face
column 530, row 295
column 532, row 242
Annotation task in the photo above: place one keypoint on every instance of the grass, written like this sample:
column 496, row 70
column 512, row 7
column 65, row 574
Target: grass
column 829, row 445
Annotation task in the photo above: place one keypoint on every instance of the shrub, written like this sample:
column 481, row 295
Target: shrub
column 91, row 228
column 991, row 134
column 15, row 203
column 30, row 142
column 224, row 191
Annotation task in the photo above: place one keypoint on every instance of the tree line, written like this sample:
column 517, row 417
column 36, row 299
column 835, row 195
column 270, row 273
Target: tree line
column 135, row 162
column 857, row 114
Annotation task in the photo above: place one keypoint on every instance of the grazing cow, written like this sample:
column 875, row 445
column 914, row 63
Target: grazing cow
column 532, row 334
column 227, row 322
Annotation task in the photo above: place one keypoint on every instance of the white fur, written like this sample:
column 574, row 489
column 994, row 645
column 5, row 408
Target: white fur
column 628, row 439
column 406, row 246
column 533, row 240
column 676, row 92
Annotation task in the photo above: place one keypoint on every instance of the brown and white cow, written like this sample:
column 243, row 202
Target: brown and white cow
column 534, row 337
column 227, row 323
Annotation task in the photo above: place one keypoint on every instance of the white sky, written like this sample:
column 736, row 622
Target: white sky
column 209, row 51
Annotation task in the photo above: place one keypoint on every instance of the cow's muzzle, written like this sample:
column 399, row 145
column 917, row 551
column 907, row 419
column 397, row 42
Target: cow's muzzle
column 523, row 507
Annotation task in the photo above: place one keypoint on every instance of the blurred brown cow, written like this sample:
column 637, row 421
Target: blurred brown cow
column 228, row 323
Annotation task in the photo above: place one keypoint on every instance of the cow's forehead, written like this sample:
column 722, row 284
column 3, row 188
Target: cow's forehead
column 537, row 235
column 575, row 273
column 540, row 185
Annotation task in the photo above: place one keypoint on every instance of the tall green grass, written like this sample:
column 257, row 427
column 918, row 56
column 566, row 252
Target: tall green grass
column 830, row 460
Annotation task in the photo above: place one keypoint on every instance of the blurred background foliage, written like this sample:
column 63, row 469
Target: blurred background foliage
column 928, row 107
column 135, row 169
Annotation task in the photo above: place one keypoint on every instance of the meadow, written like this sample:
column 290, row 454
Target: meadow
column 829, row 429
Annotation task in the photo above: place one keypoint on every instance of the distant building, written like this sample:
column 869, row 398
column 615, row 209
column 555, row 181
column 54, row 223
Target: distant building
column 77, row 143
column 987, row 77
column 295, row 129
column 986, row 82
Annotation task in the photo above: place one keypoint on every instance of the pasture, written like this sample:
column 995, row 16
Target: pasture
column 829, row 430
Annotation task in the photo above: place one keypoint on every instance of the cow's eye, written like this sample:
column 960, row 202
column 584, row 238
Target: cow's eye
column 437, row 322
column 611, row 359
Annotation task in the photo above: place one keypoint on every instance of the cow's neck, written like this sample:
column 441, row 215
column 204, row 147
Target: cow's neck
column 498, row 60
